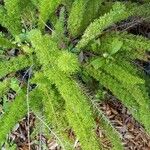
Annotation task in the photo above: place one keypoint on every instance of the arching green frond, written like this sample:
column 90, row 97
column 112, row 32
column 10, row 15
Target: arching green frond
column 137, row 104
column 45, row 48
column 49, row 53
column 4, row 86
column 135, row 41
column 131, row 46
column 144, row 11
column 54, row 108
column 28, row 11
column 111, row 133
column 109, row 129
column 77, row 109
column 16, row 111
column 16, row 10
column 130, row 66
column 119, row 73
column 58, row 35
column 82, row 13
column 5, row 43
column 2, row 15
column 81, row 113
column 54, row 111
column 131, row 41
column 115, row 87
column 118, row 13
column 9, row 119
column 75, row 119
column 13, row 20
column 14, row 64
column 46, row 8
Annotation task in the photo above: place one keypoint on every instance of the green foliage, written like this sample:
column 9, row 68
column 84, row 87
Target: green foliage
column 59, row 34
column 78, row 111
column 46, row 8
column 74, row 103
column 135, row 44
column 17, row 110
column 13, row 17
column 118, row 13
column 5, row 43
column 134, row 98
column 54, row 107
column 2, row 16
column 54, row 65
column 12, row 14
column 82, row 13
column 4, row 86
column 110, row 132
column 14, row 64
column 6, row 122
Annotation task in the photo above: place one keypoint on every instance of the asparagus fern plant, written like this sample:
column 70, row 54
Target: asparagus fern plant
column 61, row 71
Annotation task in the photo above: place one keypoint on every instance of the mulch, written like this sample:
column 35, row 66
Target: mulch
column 133, row 134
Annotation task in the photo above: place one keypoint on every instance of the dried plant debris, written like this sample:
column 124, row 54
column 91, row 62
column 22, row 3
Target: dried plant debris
column 134, row 136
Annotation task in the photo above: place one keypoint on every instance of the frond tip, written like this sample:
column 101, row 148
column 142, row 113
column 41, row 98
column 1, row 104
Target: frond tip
column 68, row 62
column 95, row 29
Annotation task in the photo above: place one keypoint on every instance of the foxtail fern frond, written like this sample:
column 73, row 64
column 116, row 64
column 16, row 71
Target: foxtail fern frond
column 13, row 13
column 13, row 20
column 115, row 87
column 58, row 35
column 17, row 110
column 129, row 66
column 117, row 43
column 82, row 13
column 44, row 48
column 119, row 73
column 77, row 109
column 5, row 43
column 14, row 64
column 2, row 16
column 131, row 42
column 118, row 13
column 49, row 54
column 135, row 42
column 111, row 133
column 107, row 62
column 54, row 108
column 145, row 13
column 4, row 86
column 138, row 105
column 6, row 122
column 108, row 128
column 105, row 124
column 46, row 8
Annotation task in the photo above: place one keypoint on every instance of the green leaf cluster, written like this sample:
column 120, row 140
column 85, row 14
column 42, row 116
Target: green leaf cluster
column 54, row 58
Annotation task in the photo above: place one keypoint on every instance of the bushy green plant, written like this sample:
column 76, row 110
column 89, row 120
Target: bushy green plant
column 59, row 70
